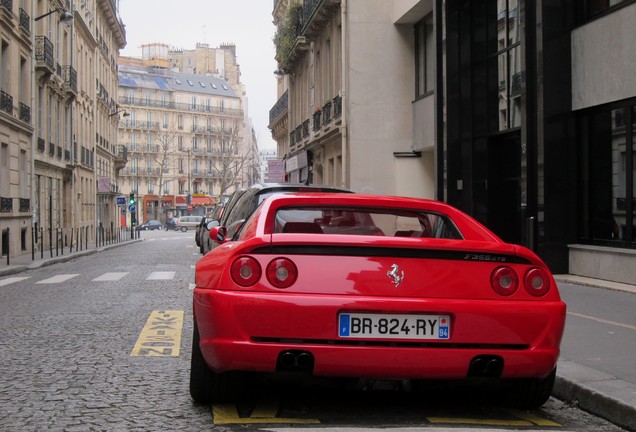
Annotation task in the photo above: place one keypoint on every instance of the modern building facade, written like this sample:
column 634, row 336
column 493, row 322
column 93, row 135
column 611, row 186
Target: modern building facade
column 519, row 113
column 58, row 68
column 188, row 139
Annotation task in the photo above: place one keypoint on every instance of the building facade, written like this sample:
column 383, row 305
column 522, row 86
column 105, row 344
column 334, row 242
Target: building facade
column 519, row 113
column 185, row 134
column 53, row 118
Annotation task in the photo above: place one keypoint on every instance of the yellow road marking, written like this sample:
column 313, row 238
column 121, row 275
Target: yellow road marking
column 161, row 336
column 264, row 412
column 532, row 418
column 481, row 422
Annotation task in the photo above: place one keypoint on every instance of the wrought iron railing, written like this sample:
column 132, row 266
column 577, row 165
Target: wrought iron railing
column 25, row 20
column 25, row 112
column 6, row 102
column 44, row 51
column 279, row 107
column 69, row 74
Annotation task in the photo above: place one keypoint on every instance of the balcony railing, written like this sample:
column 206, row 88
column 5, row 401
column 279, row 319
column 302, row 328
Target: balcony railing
column 25, row 205
column 279, row 107
column 44, row 52
column 69, row 74
column 25, row 20
column 41, row 145
column 6, row 205
column 7, row 4
column 25, row 113
column 6, row 102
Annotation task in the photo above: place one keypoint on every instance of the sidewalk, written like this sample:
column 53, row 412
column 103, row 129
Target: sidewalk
column 599, row 393
column 26, row 262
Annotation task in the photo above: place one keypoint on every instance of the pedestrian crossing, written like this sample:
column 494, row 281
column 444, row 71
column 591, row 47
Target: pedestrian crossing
column 105, row 277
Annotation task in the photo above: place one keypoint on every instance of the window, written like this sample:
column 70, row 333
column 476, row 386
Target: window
column 608, row 170
column 424, row 56
column 4, row 170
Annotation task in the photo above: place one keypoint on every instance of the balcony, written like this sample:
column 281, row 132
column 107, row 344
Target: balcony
column 315, row 14
column 6, row 102
column 25, row 113
column 25, row 21
column 279, row 108
column 69, row 75
column 6, row 205
column 44, row 56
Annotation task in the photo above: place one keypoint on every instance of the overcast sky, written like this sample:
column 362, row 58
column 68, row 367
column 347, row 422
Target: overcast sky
column 183, row 23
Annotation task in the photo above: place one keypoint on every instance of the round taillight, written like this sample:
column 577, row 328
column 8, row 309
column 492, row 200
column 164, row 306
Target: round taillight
column 537, row 282
column 281, row 272
column 504, row 281
column 245, row 271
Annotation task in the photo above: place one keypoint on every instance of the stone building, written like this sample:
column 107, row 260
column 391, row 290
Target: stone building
column 519, row 113
column 58, row 78
column 188, row 138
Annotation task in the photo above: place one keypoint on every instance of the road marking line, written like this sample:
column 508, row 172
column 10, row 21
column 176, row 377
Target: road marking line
column 110, row 277
column 627, row 326
column 531, row 418
column 161, row 336
column 57, row 279
column 481, row 422
column 264, row 412
column 161, row 275
column 11, row 280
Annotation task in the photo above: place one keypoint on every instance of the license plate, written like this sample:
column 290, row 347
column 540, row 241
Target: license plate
column 393, row 326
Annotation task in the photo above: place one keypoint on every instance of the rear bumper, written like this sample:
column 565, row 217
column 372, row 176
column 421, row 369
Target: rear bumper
column 248, row 331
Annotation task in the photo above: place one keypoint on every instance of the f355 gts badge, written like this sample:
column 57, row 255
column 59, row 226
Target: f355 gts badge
column 395, row 274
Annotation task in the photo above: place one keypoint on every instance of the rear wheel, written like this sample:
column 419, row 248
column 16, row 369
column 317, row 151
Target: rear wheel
column 530, row 393
column 184, row 229
column 207, row 386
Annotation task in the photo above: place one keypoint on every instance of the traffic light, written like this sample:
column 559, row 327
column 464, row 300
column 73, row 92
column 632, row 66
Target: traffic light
column 133, row 210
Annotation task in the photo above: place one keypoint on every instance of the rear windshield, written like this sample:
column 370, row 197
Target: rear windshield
column 365, row 221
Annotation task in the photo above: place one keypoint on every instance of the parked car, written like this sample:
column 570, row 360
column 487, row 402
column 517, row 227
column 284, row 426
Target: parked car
column 245, row 202
column 185, row 223
column 149, row 225
column 199, row 230
column 171, row 224
column 205, row 243
column 373, row 287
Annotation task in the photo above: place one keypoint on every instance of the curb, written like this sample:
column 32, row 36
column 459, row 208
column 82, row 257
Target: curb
column 601, row 394
column 64, row 258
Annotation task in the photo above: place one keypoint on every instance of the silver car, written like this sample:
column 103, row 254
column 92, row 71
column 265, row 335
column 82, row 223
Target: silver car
column 185, row 223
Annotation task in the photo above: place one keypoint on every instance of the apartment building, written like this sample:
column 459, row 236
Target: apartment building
column 58, row 68
column 185, row 134
column 519, row 113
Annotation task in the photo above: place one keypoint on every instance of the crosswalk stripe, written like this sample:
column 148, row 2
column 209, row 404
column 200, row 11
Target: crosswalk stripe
column 57, row 279
column 161, row 275
column 110, row 277
column 11, row 280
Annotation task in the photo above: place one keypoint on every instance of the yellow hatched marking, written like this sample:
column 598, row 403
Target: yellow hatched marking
column 532, row 418
column 264, row 412
column 481, row 422
column 161, row 336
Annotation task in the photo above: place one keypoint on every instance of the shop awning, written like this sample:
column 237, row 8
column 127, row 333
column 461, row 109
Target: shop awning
column 183, row 180
column 202, row 201
column 198, row 180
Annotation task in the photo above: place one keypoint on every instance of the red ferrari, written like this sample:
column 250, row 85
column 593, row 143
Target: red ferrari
column 373, row 287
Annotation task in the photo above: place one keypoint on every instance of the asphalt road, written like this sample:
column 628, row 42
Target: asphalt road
column 102, row 342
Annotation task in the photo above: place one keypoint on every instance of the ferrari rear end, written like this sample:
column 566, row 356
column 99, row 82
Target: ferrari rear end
column 446, row 301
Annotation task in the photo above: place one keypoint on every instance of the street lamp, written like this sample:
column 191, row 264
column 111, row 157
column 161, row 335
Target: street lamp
column 65, row 17
column 125, row 113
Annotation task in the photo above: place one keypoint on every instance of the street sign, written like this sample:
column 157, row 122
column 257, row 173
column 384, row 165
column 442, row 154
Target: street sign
column 132, row 208
column 121, row 200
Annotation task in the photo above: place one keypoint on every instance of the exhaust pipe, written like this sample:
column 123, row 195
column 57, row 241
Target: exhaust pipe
column 488, row 366
column 295, row 361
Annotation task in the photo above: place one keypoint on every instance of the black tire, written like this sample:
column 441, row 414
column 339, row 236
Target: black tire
column 530, row 393
column 207, row 386
column 184, row 229
column 201, row 249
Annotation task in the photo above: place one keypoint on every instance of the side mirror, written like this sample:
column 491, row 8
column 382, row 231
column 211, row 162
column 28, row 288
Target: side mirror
column 218, row 234
column 211, row 224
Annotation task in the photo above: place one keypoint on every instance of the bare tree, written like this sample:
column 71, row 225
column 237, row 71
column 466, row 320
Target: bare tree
column 164, row 157
column 235, row 162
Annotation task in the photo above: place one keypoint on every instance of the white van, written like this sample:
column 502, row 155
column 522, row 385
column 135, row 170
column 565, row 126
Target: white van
column 185, row 223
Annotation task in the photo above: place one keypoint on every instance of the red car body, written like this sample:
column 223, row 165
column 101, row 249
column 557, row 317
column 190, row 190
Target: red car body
column 358, row 301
